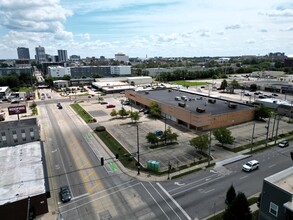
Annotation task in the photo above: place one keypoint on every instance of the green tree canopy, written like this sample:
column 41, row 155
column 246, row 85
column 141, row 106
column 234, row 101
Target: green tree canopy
column 114, row 113
column 135, row 116
column 122, row 112
column 262, row 112
column 200, row 143
column 239, row 209
column 155, row 111
column 152, row 138
column 224, row 84
column 230, row 195
column 223, row 135
column 169, row 135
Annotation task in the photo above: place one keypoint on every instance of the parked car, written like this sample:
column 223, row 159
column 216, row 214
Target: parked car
column 159, row 134
column 65, row 194
column 59, row 105
column 283, row 144
column 126, row 103
column 14, row 101
column 251, row 165
column 146, row 111
column 141, row 110
column 247, row 94
column 274, row 94
column 261, row 97
column 110, row 106
column 103, row 103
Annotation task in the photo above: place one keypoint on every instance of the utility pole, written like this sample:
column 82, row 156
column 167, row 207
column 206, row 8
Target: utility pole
column 137, row 140
column 210, row 145
column 277, row 129
column 169, row 169
column 252, row 137
column 165, row 130
column 268, row 128
column 273, row 126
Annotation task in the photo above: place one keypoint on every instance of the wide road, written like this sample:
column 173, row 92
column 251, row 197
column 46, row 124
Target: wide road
column 104, row 192
column 204, row 194
column 99, row 192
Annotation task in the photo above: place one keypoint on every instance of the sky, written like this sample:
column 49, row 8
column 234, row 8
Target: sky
column 147, row 28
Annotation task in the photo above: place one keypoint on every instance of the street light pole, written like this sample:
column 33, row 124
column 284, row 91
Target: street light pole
column 137, row 140
column 268, row 128
column 252, row 137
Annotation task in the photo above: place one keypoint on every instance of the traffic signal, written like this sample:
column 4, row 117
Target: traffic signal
column 117, row 156
column 102, row 161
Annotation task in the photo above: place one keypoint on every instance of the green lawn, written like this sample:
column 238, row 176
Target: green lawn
column 26, row 89
column 116, row 148
column 82, row 113
column 187, row 83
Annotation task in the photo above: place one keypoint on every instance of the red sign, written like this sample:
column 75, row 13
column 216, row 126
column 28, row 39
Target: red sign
column 14, row 110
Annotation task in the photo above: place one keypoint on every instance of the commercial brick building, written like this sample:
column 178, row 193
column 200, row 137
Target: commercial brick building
column 193, row 110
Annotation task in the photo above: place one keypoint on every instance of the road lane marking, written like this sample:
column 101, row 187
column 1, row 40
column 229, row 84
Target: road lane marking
column 102, row 197
column 85, row 177
column 243, row 177
column 209, row 191
column 165, row 200
column 174, row 201
column 201, row 184
column 80, row 196
column 155, row 200
column 272, row 165
column 203, row 179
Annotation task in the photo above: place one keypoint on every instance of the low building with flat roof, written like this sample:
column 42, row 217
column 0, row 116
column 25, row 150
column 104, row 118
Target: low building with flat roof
column 23, row 186
column 277, row 196
column 194, row 110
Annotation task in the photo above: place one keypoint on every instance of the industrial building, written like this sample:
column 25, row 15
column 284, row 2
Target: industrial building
column 24, row 185
column 193, row 110
column 8, row 70
column 276, row 196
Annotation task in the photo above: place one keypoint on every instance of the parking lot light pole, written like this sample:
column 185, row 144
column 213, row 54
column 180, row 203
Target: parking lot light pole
column 137, row 140
column 252, row 137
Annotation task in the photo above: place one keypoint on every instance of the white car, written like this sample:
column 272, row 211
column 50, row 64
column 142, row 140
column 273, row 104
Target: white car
column 251, row 165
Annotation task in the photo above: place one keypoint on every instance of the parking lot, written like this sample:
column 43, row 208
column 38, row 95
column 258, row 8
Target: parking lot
column 178, row 154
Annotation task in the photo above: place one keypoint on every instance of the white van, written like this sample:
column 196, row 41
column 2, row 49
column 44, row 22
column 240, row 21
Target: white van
column 251, row 165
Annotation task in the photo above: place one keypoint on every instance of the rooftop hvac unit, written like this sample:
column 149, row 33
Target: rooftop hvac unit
column 200, row 110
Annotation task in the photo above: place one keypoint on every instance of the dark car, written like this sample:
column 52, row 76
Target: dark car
column 59, row 105
column 274, row 94
column 65, row 194
column 103, row 103
column 261, row 97
column 110, row 106
column 283, row 144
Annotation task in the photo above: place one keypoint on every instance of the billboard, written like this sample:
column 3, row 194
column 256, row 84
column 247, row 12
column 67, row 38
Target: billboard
column 14, row 110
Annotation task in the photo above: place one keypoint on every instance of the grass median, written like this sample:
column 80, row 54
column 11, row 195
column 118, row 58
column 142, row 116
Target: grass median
column 82, row 113
column 124, row 156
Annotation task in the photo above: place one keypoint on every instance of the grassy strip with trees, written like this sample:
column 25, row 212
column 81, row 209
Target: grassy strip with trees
column 116, row 148
column 187, row 83
column 82, row 113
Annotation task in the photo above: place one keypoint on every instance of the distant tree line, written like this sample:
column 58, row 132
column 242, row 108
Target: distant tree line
column 15, row 81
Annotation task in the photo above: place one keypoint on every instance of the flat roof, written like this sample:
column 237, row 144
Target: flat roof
column 196, row 101
column 14, row 124
column 22, row 173
column 283, row 179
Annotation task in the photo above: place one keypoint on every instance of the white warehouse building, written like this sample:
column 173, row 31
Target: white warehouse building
column 140, row 80
column 58, row 71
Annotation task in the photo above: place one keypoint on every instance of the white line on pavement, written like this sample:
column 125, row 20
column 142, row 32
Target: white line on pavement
column 165, row 200
column 174, row 201
column 243, row 177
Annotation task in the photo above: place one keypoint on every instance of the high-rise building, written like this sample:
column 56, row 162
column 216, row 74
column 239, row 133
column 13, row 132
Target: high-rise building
column 62, row 55
column 40, row 55
column 121, row 57
column 23, row 53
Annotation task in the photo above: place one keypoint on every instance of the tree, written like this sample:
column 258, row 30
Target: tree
column 66, row 77
column 253, row 87
column 152, row 138
column 224, row 84
column 169, row 135
column 134, row 116
column 262, row 112
column 230, row 195
column 233, row 85
column 240, row 207
column 200, row 143
column 114, row 113
column 122, row 112
column 155, row 110
column 223, row 135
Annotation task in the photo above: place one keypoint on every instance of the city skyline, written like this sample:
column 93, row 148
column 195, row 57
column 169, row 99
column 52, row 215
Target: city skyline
column 167, row 28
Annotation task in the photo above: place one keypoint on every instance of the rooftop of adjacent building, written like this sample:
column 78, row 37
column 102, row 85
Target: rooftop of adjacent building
column 20, row 123
column 283, row 180
column 22, row 173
